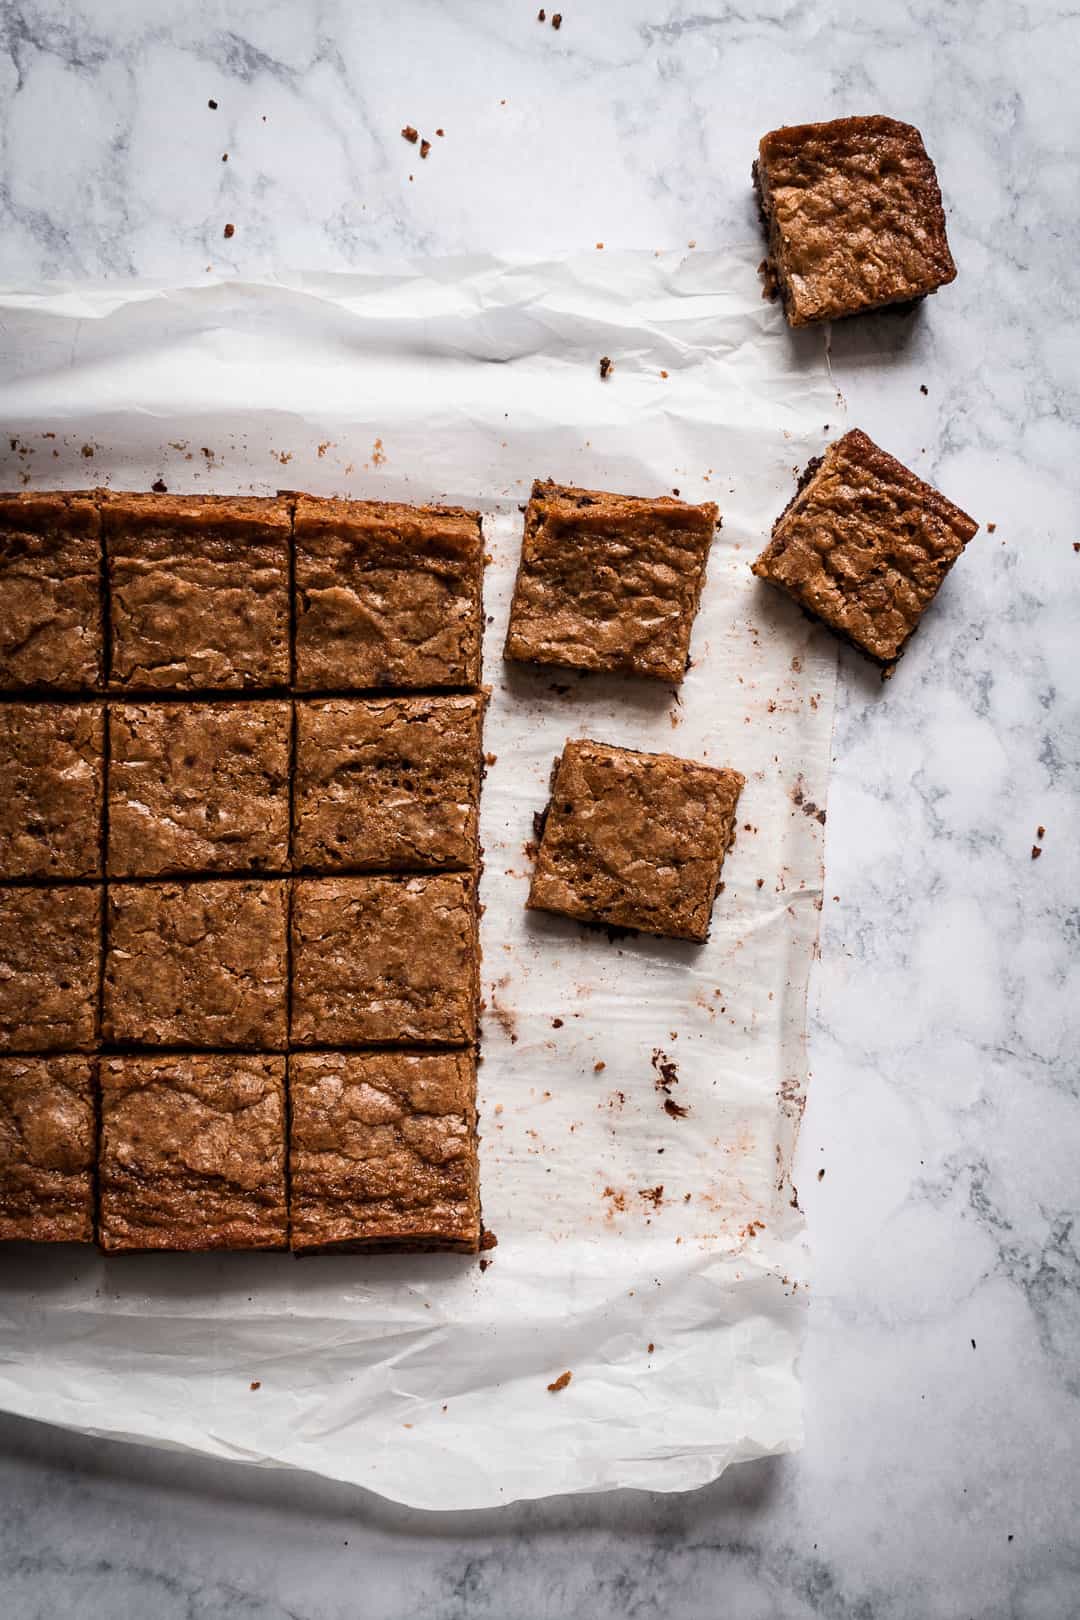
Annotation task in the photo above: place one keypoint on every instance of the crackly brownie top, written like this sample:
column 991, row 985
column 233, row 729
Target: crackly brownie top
column 50, row 950
column 865, row 545
column 383, row 1147
column 52, row 768
column 387, row 595
column 47, row 1149
column 199, row 590
column 50, row 573
column 198, row 787
column 387, row 782
column 200, row 964
column 193, row 1152
column 635, row 840
column 855, row 216
column 609, row 582
column 384, row 959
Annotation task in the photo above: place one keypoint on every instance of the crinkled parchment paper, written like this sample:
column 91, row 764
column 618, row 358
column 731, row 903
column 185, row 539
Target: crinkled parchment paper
column 654, row 1253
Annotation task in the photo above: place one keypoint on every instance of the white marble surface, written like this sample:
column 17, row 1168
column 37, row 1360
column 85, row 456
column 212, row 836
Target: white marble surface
column 941, row 1468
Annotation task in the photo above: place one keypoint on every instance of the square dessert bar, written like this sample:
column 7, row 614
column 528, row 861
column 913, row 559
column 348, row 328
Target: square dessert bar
column 50, row 956
column 385, row 961
column 192, row 1152
column 635, row 840
column 387, row 595
column 50, row 586
column 383, row 1151
column 198, row 787
column 47, row 1149
column 391, row 783
column 609, row 582
column 199, row 590
column 196, row 964
column 52, row 765
column 864, row 546
column 854, row 217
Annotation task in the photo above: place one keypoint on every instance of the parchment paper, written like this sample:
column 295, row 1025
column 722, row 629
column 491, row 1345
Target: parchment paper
column 657, row 1258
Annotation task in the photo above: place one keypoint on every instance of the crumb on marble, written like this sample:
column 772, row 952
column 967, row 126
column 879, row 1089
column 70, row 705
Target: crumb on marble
column 560, row 1382
column 409, row 134
column 230, row 231
column 425, row 148
column 1035, row 852
column 607, row 366
column 212, row 104
column 556, row 23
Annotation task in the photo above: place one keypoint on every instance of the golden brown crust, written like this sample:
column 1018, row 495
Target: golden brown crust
column 198, row 788
column 50, row 952
column 609, row 582
column 383, row 1151
column 193, row 1152
column 387, row 783
column 196, row 964
column 199, row 590
column 52, row 770
column 50, row 569
column 380, row 960
column 865, row 545
column 387, row 595
column 47, row 1149
column 635, row 840
column 854, row 215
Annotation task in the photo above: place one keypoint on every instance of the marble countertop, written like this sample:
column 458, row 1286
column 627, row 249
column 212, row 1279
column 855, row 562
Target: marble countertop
column 941, row 1470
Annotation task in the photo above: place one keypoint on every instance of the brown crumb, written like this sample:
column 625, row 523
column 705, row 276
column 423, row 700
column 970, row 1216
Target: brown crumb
column 541, row 15
column 488, row 1240
column 599, row 244
column 425, row 148
column 87, row 451
column 1035, row 852
column 212, row 105
column 651, row 1348
column 667, row 1075
column 485, row 1262
column 556, row 1023
column 821, row 1174
column 991, row 528
column 556, row 20
column 491, row 759
column 409, row 134
column 673, row 1109
column 1040, row 832
column 160, row 487
column 664, row 375
column 230, row 231
column 560, row 1382
column 1076, row 545
column 224, row 157
column 675, row 492
column 761, row 883
column 923, row 388
column 652, row 1195
column 440, row 133
column 599, row 1066
column 256, row 1383
column 606, row 367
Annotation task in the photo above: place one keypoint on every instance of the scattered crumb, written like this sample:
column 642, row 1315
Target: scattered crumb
column 560, row 1382
column 321, row 449
column 675, row 492
column 691, row 244
column 256, row 1383
column 652, row 1195
column 1040, row 832
column 541, row 15
column 1035, row 852
column 556, row 20
column 488, row 1240
column 425, row 148
column 556, row 1023
column 606, row 367
column 673, row 1109
column 599, row 1066
column 160, row 487
column 761, row 883
column 821, row 1174
column 991, row 528
column 599, row 244
column 485, row 1262
column 212, row 105
column 440, row 133
column 664, row 375
column 87, row 451
column 1076, row 545
column 923, row 388
column 409, row 134
column 230, row 231
column 224, row 157
column 491, row 759
column 378, row 454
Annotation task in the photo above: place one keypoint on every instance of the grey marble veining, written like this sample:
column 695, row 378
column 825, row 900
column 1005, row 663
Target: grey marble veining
column 940, row 1476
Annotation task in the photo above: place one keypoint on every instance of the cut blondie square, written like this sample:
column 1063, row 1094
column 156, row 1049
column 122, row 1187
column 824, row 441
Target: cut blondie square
column 635, row 840
column 864, row 546
column 383, row 1151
